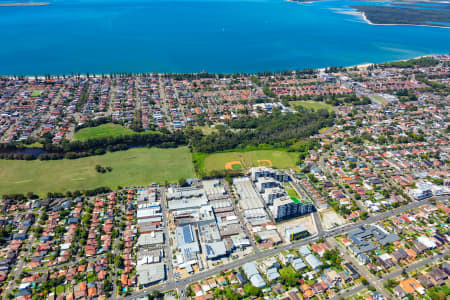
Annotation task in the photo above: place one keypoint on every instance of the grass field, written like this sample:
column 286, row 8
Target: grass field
column 104, row 130
column 323, row 130
column 312, row 105
column 137, row 166
column 34, row 145
column 380, row 99
column 36, row 93
column 274, row 158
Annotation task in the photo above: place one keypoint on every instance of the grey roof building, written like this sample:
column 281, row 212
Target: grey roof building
column 215, row 250
column 361, row 237
column 272, row 274
column 150, row 239
column 313, row 261
column 298, row 264
column 304, row 251
column 252, row 273
column 149, row 274
column 187, row 241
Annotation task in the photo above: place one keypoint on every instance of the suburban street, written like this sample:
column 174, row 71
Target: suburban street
column 315, row 214
column 392, row 275
column 364, row 272
column 166, row 234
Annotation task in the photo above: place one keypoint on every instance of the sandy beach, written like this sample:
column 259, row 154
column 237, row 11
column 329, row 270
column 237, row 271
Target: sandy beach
column 25, row 4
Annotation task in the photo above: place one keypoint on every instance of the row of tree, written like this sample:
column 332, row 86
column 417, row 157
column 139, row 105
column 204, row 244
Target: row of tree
column 96, row 146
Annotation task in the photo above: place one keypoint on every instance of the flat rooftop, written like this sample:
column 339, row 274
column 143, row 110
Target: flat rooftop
column 249, row 198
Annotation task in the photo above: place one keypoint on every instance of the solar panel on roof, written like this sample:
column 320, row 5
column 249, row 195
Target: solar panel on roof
column 187, row 234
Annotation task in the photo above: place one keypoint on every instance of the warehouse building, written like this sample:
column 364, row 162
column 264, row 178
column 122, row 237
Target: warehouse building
column 149, row 274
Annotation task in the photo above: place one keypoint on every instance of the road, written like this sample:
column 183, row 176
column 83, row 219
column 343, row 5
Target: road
column 415, row 266
column 315, row 214
column 22, row 258
column 348, row 293
column 168, row 248
column 180, row 285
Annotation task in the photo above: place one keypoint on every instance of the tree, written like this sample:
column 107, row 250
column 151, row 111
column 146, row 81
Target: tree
column 364, row 215
column 156, row 294
column 182, row 182
column 228, row 179
column 118, row 261
column 288, row 277
column 257, row 238
column 364, row 281
column 404, row 273
column 391, row 283
column 251, row 290
column 31, row 195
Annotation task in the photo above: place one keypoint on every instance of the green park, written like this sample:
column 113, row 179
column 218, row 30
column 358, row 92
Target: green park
column 137, row 166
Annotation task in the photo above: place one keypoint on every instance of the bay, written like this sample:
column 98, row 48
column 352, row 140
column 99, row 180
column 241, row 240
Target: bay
column 99, row 36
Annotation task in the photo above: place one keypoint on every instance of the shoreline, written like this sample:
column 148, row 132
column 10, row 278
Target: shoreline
column 363, row 14
column 360, row 65
column 24, row 4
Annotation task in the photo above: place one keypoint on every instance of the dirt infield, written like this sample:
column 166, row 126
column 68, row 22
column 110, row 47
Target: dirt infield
column 233, row 165
column 242, row 164
column 264, row 163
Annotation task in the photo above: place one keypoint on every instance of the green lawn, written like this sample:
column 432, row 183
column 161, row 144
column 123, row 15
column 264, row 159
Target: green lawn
column 104, row 130
column 36, row 93
column 323, row 130
column 34, row 145
column 278, row 159
column 380, row 99
column 312, row 105
column 291, row 192
column 61, row 289
column 206, row 129
column 137, row 166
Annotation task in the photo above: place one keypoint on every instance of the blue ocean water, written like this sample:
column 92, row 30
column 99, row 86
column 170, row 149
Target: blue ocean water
column 98, row 36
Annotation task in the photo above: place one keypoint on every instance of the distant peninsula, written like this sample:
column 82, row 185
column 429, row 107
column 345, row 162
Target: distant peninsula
column 398, row 2
column 391, row 15
column 25, row 4
column 304, row 1
column 404, row 12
